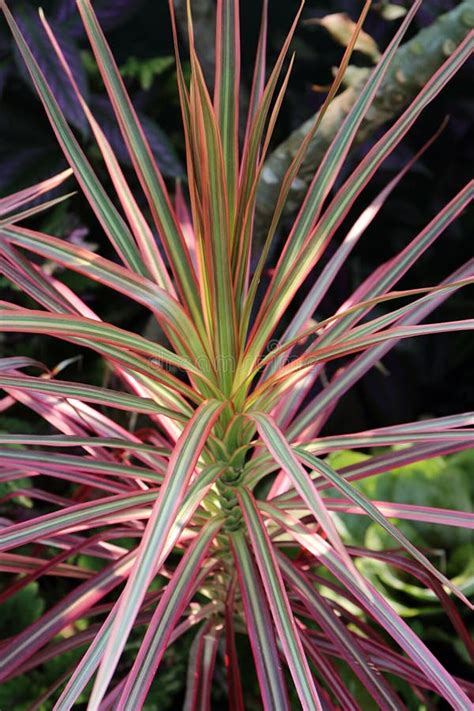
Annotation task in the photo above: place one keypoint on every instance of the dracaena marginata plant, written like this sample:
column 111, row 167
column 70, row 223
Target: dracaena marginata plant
column 224, row 504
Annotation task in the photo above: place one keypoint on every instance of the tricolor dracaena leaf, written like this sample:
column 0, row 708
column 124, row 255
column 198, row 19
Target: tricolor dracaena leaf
column 182, row 490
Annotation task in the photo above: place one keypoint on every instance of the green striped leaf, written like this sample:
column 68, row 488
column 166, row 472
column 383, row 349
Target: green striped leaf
column 288, row 280
column 131, row 445
column 252, row 163
column 88, row 393
column 73, row 518
column 35, row 210
column 69, row 327
column 279, row 604
column 260, row 628
column 90, row 661
column 282, row 453
column 144, row 164
column 295, row 165
column 108, row 216
column 370, row 599
column 140, row 289
column 397, row 267
column 215, row 225
column 358, row 498
column 226, row 92
column 343, row 381
column 163, row 521
column 175, row 598
column 140, row 229
column 347, row 643
column 14, row 202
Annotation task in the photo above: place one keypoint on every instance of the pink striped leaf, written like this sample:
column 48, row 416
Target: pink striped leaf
column 282, row 453
column 88, row 393
column 162, row 522
column 348, row 644
column 173, row 601
column 16, row 200
column 345, row 379
column 318, row 190
column 144, row 164
column 377, row 607
column 122, row 280
column 260, row 627
column 279, row 604
column 140, row 229
column 371, row 510
column 226, row 91
column 108, row 216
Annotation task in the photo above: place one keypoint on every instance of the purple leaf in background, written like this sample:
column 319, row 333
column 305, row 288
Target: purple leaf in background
column 5, row 59
column 110, row 13
column 5, row 67
column 28, row 151
column 38, row 42
column 5, row 41
column 161, row 146
column 65, row 11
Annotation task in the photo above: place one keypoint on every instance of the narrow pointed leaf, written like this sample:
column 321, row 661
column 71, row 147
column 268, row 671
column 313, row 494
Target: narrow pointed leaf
column 336, row 630
column 260, row 627
column 279, row 604
column 87, row 393
column 360, row 500
column 162, row 520
column 172, row 603
column 90, row 661
column 377, row 606
column 141, row 231
column 14, row 202
column 227, row 87
column 284, row 456
column 144, row 163
column 110, row 219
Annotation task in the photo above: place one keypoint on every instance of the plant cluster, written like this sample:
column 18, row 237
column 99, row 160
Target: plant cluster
column 218, row 512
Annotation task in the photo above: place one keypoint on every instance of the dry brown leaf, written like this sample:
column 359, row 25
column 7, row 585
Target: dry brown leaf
column 341, row 27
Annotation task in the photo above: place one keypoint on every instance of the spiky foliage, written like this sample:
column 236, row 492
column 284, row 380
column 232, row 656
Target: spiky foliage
column 223, row 503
